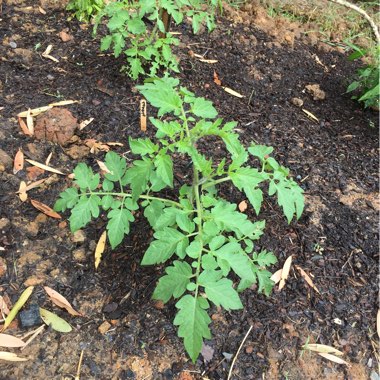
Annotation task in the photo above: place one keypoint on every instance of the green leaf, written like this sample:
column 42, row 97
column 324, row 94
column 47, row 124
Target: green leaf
column 118, row 20
column 116, row 165
column 209, row 262
column 83, row 210
column 194, row 250
column 55, row 322
column 193, row 322
column 174, row 283
column 142, row 146
column 255, row 197
column 68, row 199
column 138, row 176
column 265, row 283
column 260, row 151
column 289, row 196
column 264, row 258
column 184, row 222
column 221, row 293
column 107, row 201
column 106, row 42
column 118, row 225
column 163, row 247
column 135, row 67
column 136, row 26
column 204, row 108
column 164, row 165
column 161, row 94
column 85, row 177
column 153, row 211
column 237, row 259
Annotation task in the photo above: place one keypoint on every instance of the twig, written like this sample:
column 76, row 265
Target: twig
column 364, row 14
column 35, row 333
column 77, row 376
column 237, row 354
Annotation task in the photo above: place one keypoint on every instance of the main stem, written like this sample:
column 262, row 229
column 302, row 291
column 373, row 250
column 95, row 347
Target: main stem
column 199, row 208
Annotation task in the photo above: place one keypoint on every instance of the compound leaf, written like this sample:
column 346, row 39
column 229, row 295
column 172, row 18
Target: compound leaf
column 118, row 225
column 193, row 322
column 174, row 283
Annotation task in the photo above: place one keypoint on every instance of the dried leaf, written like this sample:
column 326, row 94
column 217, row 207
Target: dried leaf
column 29, row 122
column 35, row 184
column 42, row 11
column 22, row 192
column 310, row 115
column 216, row 79
column 55, row 322
column 65, row 37
column 50, row 57
column 3, row 306
column 378, row 322
column 207, row 353
column 196, row 55
column 45, row 209
column 11, row 357
column 10, row 341
column 103, row 167
column 100, row 248
column 322, row 348
column 276, row 276
column 60, row 301
column 285, row 272
column 333, row 358
column 18, row 163
column 47, row 162
column 32, row 172
column 84, row 123
column 307, row 278
column 45, row 167
column 17, row 306
column 34, row 111
column 114, row 143
column 63, row 103
column 243, row 206
column 233, row 92
column 143, row 115
column 24, row 127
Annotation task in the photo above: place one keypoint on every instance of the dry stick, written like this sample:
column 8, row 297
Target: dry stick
column 363, row 13
column 237, row 354
column 77, row 377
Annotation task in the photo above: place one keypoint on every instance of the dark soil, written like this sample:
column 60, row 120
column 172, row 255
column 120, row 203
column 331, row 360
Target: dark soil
column 336, row 240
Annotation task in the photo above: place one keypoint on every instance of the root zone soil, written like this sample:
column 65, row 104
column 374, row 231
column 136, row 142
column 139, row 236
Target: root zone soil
column 124, row 334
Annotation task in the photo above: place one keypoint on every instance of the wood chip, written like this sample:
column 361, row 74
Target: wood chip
column 29, row 122
column 24, row 127
column 22, row 192
column 211, row 61
column 276, row 276
column 143, row 115
column 233, row 92
column 63, row 103
column 310, row 115
column 100, row 248
column 34, row 111
column 322, row 348
column 216, row 79
column 83, row 124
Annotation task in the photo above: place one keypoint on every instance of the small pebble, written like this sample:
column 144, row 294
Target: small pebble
column 50, row 77
column 30, row 317
column 13, row 45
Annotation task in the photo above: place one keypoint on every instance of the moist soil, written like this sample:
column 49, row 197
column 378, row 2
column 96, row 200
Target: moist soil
column 123, row 333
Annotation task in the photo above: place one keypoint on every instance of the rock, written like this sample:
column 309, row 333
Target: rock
column 77, row 152
column 3, row 267
column 32, row 228
column 315, row 91
column 35, row 280
column 56, row 5
column 5, row 159
column 65, row 37
column 41, row 218
column 78, row 237
column 80, row 255
column 30, row 317
column 297, row 102
column 56, row 125
column 21, row 55
column 104, row 327
column 29, row 257
column 4, row 222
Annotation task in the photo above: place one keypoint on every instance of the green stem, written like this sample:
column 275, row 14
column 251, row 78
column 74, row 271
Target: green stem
column 143, row 196
column 213, row 183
